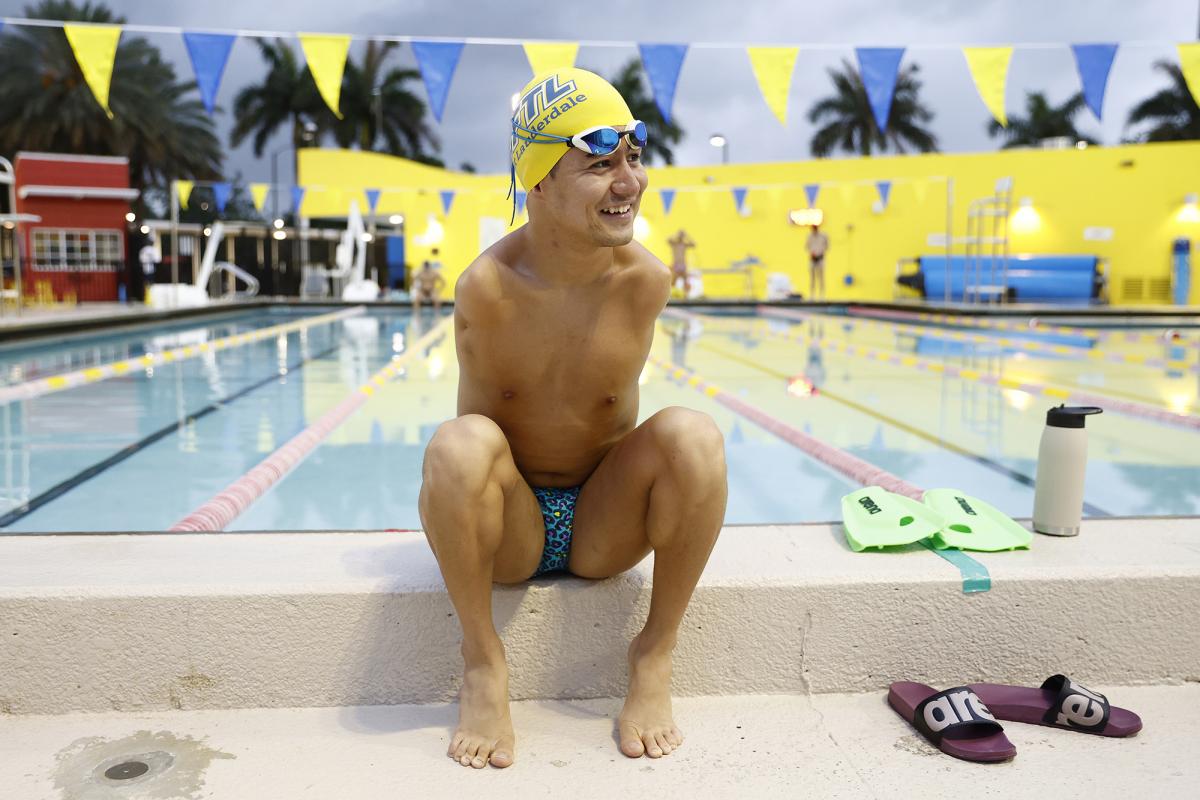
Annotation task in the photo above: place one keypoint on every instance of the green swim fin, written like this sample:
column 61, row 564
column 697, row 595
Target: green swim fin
column 972, row 524
column 875, row 517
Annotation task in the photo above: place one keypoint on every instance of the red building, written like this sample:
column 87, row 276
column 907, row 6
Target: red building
column 78, row 248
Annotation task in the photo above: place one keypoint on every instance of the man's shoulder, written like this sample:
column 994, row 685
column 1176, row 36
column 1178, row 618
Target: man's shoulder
column 648, row 273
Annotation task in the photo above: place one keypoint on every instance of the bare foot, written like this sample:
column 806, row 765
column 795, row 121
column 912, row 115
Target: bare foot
column 645, row 725
column 485, row 731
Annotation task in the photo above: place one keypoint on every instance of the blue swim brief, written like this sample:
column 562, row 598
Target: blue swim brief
column 558, row 514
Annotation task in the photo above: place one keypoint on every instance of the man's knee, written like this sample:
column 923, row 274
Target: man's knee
column 463, row 453
column 689, row 441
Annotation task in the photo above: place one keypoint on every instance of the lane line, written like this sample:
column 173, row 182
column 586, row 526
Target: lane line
column 84, row 475
column 1108, row 403
column 1027, row 345
column 225, row 506
column 81, row 377
column 995, row 466
column 974, row 575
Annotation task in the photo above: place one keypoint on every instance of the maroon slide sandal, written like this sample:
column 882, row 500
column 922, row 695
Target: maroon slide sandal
column 955, row 720
column 1059, row 703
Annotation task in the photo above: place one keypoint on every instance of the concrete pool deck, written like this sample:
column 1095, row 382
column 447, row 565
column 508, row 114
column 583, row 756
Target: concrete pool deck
column 848, row 746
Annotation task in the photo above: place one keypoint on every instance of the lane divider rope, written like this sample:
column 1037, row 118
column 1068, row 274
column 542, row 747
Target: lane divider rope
column 225, row 506
column 81, row 377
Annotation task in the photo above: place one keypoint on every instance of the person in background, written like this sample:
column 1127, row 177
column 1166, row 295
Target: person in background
column 680, row 244
column 427, row 286
column 817, row 246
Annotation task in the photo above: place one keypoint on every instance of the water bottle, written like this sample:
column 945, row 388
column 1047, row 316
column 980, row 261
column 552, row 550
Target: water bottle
column 1062, row 461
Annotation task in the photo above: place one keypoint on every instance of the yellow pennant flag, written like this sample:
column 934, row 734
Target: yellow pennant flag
column 920, row 190
column 773, row 68
column 989, row 70
column 1189, row 62
column 183, row 190
column 95, row 48
column 326, row 55
column 846, row 193
column 545, row 56
column 258, row 191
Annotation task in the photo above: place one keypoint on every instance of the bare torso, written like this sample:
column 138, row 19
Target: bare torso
column 556, row 366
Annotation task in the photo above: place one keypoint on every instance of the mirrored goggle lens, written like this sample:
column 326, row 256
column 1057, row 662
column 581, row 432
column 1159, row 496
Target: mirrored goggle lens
column 602, row 142
column 639, row 135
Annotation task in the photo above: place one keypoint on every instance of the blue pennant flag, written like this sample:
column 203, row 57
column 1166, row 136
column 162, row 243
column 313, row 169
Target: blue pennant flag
column 209, row 53
column 372, row 200
column 879, row 67
column 662, row 63
column 811, row 190
column 437, row 62
column 739, row 197
column 221, row 193
column 520, row 202
column 1093, row 62
column 297, row 198
column 447, row 200
column 668, row 198
column 885, row 190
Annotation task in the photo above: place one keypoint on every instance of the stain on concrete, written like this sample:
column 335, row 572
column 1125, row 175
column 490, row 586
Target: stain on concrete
column 916, row 745
column 174, row 767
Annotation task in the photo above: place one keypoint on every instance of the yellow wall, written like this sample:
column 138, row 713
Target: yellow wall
column 1136, row 190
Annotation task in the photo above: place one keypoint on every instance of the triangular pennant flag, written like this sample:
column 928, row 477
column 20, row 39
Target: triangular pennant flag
column 1094, row 62
column 662, row 63
column 258, row 191
column 297, row 198
column 989, row 70
column 545, row 56
column 668, row 199
column 372, row 200
column 95, row 48
column 326, row 55
column 221, row 193
column 447, row 200
column 739, row 197
column 183, row 190
column 1189, row 62
column 437, row 62
column 209, row 53
column 885, row 191
column 773, row 68
column 879, row 67
column 811, row 190
column 520, row 201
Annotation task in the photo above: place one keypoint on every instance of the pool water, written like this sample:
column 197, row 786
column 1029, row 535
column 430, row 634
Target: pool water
column 140, row 450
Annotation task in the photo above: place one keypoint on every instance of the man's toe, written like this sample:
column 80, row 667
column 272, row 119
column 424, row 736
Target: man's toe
column 652, row 748
column 631, row 742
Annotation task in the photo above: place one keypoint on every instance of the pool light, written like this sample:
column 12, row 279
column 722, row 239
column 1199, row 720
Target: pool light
column 130, row 217
column 1026, row 219
column 280, row 235
column 1191, row 208
column 278, row 224
column 396, row 219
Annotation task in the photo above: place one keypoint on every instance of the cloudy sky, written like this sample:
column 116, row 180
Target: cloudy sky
column 716, row 91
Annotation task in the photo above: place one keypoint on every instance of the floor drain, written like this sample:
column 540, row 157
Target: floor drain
column 126, row 771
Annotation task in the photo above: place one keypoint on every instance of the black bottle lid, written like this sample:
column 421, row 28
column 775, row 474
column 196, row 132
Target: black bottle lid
column 1070, row 416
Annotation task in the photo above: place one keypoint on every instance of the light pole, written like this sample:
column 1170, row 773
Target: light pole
column 717, row 140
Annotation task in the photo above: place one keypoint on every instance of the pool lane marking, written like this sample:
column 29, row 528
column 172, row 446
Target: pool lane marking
column 984, row 461
column 1107, row 402
column 61, row 488
column 975, row 577
column 1025, row 345
column 81, row 377
column 1038, row 326
column 225, row 506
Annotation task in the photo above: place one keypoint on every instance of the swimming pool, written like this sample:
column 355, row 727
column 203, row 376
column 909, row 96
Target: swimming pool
column 139, row 447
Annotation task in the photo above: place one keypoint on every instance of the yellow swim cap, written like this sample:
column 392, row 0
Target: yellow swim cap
column 562, row 102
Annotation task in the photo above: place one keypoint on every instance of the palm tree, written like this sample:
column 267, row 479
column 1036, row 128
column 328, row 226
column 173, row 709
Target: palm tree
column 286, row 97
column 379, row 108
column 159, row 123
column 663, row 135
column 851, row 126
column 1043, row 121
column 1173, row 110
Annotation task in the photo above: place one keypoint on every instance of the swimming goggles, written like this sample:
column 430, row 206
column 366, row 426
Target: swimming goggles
column 602, row 140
